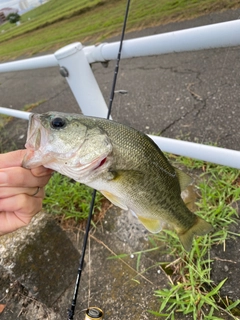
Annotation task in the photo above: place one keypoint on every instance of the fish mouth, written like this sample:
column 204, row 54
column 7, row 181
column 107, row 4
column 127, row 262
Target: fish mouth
column 34, row 134
column 35, row 138
column 34, row 141
column 101, row 163
column 38, row 152
column 95, row 164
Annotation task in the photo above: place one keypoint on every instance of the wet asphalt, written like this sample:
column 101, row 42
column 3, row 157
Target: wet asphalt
column 192, row 96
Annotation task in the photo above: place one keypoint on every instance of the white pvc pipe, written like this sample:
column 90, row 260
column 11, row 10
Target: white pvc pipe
column 225, row 34
column 27, row 64
column 225, row 157
column 81, row 80
column 15, row 113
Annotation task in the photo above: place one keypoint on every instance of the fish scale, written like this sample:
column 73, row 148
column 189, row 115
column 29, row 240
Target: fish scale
column 125, row 165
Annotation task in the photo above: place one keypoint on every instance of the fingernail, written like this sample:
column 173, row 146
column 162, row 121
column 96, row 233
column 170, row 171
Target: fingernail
column 3, row 178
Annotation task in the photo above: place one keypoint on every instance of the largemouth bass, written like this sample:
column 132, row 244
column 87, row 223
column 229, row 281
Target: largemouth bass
column 125, row 165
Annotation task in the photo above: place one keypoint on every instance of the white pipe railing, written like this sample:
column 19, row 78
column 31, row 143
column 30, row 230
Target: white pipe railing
column 46, row 61
column 212, row 154
column 222, row 156
column 218, row 35
column 74, row 62
column 225, row 34
column 15, row 113
column 81, row 80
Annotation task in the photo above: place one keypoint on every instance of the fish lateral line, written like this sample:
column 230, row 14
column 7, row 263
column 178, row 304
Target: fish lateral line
column 173, row 175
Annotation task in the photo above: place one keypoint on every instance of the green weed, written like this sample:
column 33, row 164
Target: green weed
column 68, row 199
column 191, row 289
column 31, row 106
column 93, row 21
column 6, row 144
column 4, row 119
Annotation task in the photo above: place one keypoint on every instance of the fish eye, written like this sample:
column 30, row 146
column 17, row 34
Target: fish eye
column 58, row 123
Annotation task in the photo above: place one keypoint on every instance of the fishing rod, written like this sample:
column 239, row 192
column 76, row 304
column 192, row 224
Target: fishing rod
column 94, row 312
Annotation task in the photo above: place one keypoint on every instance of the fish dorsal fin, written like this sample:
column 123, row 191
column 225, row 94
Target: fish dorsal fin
column 151, row 225
column 184, row 179
column 114, row 199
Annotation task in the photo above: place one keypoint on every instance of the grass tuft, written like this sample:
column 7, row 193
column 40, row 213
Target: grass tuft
column 192, row 290
column 69, row 200
column 93, row 21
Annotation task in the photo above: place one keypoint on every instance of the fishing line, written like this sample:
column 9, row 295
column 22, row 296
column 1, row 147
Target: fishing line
column 71, row 311
column 118, row 61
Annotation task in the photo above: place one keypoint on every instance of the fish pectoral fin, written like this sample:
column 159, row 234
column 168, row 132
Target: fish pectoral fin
column 200, row 228
column 151, row 225
column 184, row 179
column 114, row 199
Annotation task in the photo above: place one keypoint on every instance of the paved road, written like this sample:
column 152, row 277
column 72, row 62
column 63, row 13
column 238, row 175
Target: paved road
column 192, row 96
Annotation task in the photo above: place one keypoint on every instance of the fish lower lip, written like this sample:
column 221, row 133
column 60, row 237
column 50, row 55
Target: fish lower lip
column 29, row 146
column 27, row 158
column 34, row 141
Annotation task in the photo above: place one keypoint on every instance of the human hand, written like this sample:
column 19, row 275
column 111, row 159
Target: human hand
column 21, row 191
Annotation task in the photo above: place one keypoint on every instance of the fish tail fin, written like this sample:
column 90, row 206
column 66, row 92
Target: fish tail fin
column 200, row 228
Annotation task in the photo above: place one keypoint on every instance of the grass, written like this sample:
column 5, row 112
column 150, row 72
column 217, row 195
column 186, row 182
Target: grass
column 58, row 23
column 31, row 106
column 192, row 290
column 66, row 199
column 4, row 119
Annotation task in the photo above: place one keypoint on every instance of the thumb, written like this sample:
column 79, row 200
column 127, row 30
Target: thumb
column 12, row 159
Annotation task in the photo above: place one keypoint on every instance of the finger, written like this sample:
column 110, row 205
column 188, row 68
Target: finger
column 7, row 192
column 22, row 204
column 17, row 211
column 41, row 171
column 20, row 177
column 12, row 159
column 15, row 158
column 38, row 193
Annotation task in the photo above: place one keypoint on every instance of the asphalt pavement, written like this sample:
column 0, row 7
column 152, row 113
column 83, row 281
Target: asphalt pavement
column 192, row 96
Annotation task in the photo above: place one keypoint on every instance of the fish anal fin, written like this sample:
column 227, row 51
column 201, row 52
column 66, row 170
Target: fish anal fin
column 183, row 178
column 200, row 228
column 151, row 225
column 114, row 199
